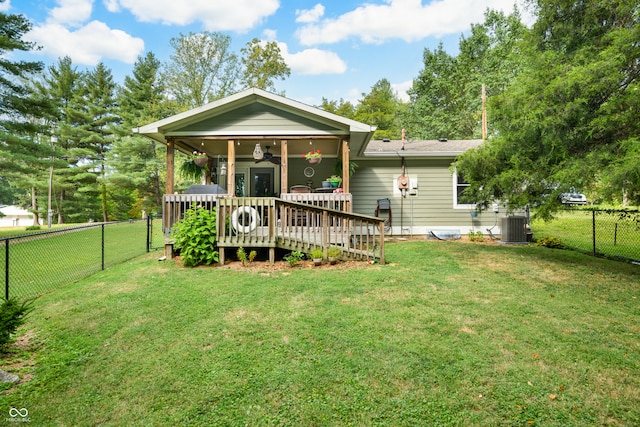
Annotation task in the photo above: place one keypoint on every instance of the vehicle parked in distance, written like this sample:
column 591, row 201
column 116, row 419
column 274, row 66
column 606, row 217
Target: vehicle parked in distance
column 573, row 199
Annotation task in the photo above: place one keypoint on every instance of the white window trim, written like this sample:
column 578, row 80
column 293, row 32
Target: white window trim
column 456, row 205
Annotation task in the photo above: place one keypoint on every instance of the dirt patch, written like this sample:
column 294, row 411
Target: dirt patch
column 20, row 358
column 260, row 266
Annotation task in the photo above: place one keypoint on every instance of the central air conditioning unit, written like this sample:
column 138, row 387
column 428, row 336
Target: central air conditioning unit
column 514, row 229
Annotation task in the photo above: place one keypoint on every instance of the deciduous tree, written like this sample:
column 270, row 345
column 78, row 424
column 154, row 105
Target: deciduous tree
column 262, row 64
column 201, row 69
column 380, row 107
column 570, row 120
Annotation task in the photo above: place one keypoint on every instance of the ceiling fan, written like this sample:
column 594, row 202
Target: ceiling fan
column 267, row 156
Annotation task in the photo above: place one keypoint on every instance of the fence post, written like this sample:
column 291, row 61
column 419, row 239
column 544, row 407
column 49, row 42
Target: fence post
column 6, row 269
column 149, row 222
column 593, row 228
column 102, row 227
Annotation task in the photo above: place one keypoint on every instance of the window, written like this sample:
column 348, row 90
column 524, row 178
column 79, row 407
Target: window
column 459, row 187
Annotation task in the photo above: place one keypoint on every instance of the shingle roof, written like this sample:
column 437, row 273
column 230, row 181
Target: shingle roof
column 420, row 148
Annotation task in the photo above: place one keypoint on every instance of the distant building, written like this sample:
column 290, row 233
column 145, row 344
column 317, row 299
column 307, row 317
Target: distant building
column 13, row 216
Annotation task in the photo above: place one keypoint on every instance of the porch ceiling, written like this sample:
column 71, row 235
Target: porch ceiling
column 296, row 146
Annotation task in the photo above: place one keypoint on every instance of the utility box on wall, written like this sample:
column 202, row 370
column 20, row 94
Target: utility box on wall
column 514, row 229
column 412, row 189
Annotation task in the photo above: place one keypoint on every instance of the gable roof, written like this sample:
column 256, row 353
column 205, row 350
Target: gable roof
column 258, row 113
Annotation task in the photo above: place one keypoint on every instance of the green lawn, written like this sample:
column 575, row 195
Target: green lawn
column 38, row 265
column 617, row 236
column 447, row 333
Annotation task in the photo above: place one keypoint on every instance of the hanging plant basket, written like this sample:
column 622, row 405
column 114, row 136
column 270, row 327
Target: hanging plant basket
column 313, row 157
column 201, row 161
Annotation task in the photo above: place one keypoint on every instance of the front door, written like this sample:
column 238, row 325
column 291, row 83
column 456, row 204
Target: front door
column 262, row 182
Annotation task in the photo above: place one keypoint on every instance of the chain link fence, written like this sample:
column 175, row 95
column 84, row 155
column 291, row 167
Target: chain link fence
column 606, row 233
column 33, row 264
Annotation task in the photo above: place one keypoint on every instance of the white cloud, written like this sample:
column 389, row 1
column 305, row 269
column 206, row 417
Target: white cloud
column 215, row 15
column 312, row 61
column 407, row 20
column 71, row 12
column 310, row 15
column 5, row 6
column 270, row 35
column 88, row 45
column 112, row 5
column 402, row 88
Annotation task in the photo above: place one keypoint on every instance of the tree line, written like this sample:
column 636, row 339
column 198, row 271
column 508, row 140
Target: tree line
column 562, row 109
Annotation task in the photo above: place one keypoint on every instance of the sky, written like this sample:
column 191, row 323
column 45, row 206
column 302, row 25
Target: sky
column 335, row 49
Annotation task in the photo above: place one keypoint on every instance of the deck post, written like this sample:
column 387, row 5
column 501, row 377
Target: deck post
column 221, row 255
column 325, row 232
column 381, row 225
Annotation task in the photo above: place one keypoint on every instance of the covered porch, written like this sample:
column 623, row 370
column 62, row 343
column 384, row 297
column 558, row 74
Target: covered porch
column 255, row 144
column 267, row 133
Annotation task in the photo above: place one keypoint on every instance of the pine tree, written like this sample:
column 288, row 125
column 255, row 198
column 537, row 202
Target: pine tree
column 22, row 115
column 59, row 84
column 92, row 118
column 138, row 164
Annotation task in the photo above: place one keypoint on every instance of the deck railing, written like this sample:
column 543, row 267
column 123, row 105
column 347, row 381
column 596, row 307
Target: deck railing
column 175, row 205
column 336, row 201
column 276, row 223
column 309, row 222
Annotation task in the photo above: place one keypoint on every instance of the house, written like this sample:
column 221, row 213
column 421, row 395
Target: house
column 256, row 142
column 13, row 216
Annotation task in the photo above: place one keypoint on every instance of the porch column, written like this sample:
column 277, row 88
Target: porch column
column 170, row 167
column 284, row 166
column 231, row 167
column 207, row 172
column 345, row 165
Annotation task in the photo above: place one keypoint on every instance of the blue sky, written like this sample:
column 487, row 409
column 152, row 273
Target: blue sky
column 335, row 49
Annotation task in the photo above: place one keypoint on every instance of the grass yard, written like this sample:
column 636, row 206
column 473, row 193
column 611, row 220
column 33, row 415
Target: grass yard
column 615, row 236
column 39, row 264
column 447, row 334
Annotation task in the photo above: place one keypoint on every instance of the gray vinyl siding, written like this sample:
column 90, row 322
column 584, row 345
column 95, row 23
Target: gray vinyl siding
column 431, row 207
column 258, row 118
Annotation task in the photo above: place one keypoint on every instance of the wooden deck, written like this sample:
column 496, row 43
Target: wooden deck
column 304, row 224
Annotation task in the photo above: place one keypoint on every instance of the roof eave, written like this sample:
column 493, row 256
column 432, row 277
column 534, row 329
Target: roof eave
column 395, row 154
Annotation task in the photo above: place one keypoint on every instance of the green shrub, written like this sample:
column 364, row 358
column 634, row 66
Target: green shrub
column 246, row 259
column 293, row 258
column 12, row 316
column 317, row 253
column 550, row 242
column 334, row 251
column 32, row 228
column 195, row 237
